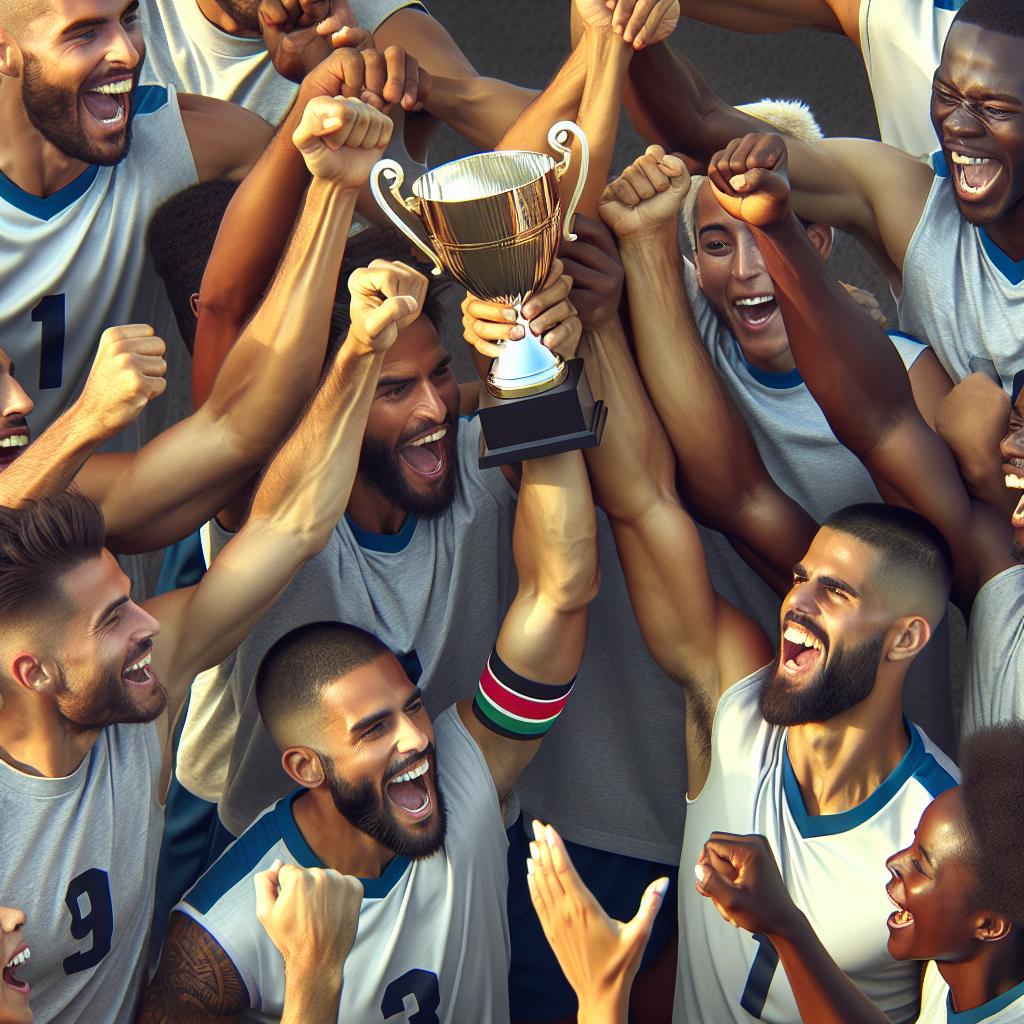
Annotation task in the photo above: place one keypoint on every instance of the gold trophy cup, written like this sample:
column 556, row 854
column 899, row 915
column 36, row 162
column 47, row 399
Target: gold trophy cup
column 494, row 222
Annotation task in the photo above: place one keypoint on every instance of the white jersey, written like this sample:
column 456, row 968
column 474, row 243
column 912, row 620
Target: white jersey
column 961, row 293
column 75, row 263
column 432, row 943
column 995, row 653
column 936, row 1007
column 901, row 42
column 79, row 856
column 833, row 866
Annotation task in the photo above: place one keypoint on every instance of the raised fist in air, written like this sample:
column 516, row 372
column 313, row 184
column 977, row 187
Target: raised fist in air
column 387, row 296
column 341, row 139
column 645, row 199
column 299, row 34
column 750, row 179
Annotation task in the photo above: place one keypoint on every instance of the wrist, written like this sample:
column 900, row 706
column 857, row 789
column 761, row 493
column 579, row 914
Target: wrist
column 609, row 1005
column 655, row 240
column 605, row 40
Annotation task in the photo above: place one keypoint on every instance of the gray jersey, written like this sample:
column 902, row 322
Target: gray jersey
column 79, row 855
column 961, row 292
column 993, row 691
column 811, row 466
column 432, row 942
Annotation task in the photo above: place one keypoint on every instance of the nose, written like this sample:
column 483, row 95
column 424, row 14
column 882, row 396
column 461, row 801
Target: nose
column 962, row 121
column 748, row 263
column 123, row 49
column 1012, row 446
column 145, row 627
column 14, row 400
column 11, row 919
column 411, row 738
column 431, row 406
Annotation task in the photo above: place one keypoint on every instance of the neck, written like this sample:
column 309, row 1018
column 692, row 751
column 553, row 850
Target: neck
column 372, row 511
column 841, row 762
column 1008, row 232
column 48, row 747
column 335, row 840
column 983, row 977
column 779, row 362
column 216, row 15
column 31, row 161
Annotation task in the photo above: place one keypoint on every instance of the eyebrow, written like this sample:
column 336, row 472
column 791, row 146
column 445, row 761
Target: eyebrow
column 109, row 610
column 378, row 716
column 711, row 227
column 384, row 381
column 77, row 26
column 833, row 581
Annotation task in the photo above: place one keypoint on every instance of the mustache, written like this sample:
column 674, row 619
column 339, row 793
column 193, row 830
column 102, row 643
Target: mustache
column 407, row 763
column 140, row 651
column 801, row 620
column 424, row 427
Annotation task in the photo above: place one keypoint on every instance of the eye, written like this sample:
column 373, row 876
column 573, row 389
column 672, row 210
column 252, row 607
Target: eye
column 836, row 592
column 374, row 730
column 442, row 371
column 415, row 707
column 398, row 391
column 996, row 112
column 716, row 248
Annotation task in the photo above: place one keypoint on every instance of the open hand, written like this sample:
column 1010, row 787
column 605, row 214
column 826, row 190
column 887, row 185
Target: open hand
column 750, row 179
column 387, row 296
column 341, row 139
column 647, row 196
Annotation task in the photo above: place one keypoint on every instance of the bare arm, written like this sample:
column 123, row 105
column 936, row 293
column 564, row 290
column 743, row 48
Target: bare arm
column 300, row 498
column 226, row 140
column 770, row 16
column 195, row 981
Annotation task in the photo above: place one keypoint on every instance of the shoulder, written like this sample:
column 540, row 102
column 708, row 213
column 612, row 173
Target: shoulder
column 907, row 347
column 738, row 715
column 997, row 615
column 225, row 138
column 463, row 774
column 931, row 769
column 371, row 14
column 474, row 480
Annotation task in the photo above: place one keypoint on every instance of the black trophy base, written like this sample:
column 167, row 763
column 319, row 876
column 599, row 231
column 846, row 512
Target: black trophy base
column 560, row 420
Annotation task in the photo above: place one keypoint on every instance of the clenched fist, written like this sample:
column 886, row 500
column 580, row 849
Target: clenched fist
column 341, row 139
column 750, row 179
column 386, row 297
column 646, row 197
column 126, row 374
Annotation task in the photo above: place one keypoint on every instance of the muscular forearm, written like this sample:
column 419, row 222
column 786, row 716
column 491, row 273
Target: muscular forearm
column 311, row 998
column 252, row 236
column 276, row 362
column 482, row 110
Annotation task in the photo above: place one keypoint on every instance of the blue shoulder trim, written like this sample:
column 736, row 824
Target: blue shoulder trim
column 390, row 543
column 906, row 337
column 949, row 5
column 939, row 165
column 933, row 776
column 47, row 207
column 986, row 1010
column 812, row 826
column 1012, row 270
column 373, row 888
column 235, row 863
column 147, row 99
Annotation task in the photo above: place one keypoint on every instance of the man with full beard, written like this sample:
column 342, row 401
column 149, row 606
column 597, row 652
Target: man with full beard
column 91, row 682
column 410, row 807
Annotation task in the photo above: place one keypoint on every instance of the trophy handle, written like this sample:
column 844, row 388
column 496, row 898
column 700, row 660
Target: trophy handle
column 401, row 211
column 558, row 136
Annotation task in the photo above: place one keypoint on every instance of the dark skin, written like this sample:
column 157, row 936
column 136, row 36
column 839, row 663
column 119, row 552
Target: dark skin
column 939, row 917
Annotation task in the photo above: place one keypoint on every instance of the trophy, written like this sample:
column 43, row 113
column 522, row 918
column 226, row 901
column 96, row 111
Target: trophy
column 493, row 221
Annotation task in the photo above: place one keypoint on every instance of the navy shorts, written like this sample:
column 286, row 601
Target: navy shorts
column 537, row 987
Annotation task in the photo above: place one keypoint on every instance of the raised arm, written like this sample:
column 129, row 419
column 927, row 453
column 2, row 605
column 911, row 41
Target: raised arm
column 300, row 498
column 770, row 16
column 190, row 471
column 858, row 379
column 724, row 479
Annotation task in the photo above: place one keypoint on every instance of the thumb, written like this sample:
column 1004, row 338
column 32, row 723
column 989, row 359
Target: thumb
column 650, row 903
column 266, row 893
column 389, row 312
column 759, row 179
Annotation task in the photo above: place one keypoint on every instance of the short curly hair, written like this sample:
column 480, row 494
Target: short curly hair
column 1003, row 16
column 992, row 767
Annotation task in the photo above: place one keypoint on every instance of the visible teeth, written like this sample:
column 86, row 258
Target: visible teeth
column 114, row 88
column 960, row 158
column 14, row 441
column 141, row 663
column 17, row 961
column 1014, row 481
column 436, row 436
column 754, row 300
column 795, row 634
column 413, row 773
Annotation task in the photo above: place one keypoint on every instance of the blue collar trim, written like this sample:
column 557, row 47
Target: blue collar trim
column 1012, row 270
column 373, row 888
column 47, row 207
column 777, row 381
column 813, row 826
column 949, row 5
column 390, row 543
column 939, row 165
column 986, row 1010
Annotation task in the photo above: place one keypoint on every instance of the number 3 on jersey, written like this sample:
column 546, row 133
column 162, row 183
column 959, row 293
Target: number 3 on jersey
column 416, row 992
column 92, row 914
column 50, row 313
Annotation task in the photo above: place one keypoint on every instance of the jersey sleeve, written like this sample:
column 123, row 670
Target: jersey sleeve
column 910, row 349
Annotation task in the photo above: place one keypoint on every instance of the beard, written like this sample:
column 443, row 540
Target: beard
column 365, row 806
column 844, row 682
column 54, row 112
column 243, row 12
column 107, row 702
column 382, row 467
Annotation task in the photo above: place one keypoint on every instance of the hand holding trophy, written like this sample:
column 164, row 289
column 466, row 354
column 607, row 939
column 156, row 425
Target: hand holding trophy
column 494, row 222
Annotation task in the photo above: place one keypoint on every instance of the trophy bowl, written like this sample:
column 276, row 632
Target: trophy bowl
column 494, row 222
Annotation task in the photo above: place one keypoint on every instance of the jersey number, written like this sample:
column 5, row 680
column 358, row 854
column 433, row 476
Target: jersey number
column 96, row 919
column 759, row 980
column 50, row 313
column 422, row 986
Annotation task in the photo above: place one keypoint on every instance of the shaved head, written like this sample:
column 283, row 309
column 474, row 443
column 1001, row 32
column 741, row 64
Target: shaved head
column 17, row 15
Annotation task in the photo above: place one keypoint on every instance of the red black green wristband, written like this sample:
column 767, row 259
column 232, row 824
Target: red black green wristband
column 516, row 707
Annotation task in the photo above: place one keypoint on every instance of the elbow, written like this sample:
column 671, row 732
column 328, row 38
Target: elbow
column 574, row 587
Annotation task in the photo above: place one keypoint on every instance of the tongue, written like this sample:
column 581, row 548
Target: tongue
column 979, row 175
column 757, row 314
column 806, row 657
column 408, row 795
column 424, row 458
column 101, row 105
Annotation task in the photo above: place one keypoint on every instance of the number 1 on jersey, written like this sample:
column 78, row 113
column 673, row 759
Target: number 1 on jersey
column 50, row 313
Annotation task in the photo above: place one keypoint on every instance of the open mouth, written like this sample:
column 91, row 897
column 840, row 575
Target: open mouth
column 802, row 649
column 974, row 175
column 409, row 791
column 107, row 104
column 12, row 446
column 900, row 917
column 10, row 979
column 137, row 672
column 756, row 310
column 1013, row 477
column 427, row 456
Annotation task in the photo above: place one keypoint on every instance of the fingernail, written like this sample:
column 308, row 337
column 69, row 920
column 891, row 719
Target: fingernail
column 509, row 314
column 534, row 851
column 529, row 866
column 738, row 180
column 661, row 886
column 517, row 333
column 332, row 122
column 530, row 310
column 549, row 835
column 538, row 830
column 701, row 872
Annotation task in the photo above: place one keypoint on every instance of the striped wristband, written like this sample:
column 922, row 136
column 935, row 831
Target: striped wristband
column 515, row 707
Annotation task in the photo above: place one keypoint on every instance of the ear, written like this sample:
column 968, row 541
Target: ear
column 907, row 637
column 30, row 673
column 11, row 60
column 992, row 927
column 821, row 236
column 303, row 765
